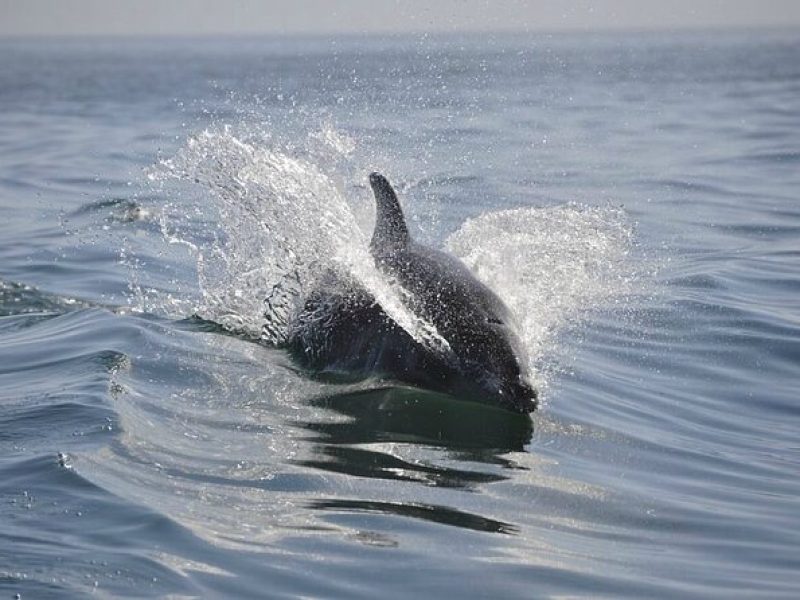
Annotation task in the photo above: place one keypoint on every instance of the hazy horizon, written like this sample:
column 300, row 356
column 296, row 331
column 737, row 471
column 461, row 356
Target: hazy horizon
column 316, row 17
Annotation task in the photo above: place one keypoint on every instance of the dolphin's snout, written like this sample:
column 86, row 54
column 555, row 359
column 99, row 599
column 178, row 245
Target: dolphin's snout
column 524, row 397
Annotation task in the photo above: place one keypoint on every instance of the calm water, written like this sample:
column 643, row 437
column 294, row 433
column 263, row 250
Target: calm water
column 633, row 198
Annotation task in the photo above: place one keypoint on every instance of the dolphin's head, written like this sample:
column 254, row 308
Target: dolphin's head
column 493, row 361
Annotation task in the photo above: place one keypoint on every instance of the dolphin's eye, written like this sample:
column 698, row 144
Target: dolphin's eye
column 494, row 320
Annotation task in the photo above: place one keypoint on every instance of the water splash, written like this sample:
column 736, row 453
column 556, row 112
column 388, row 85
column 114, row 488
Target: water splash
column 282, row 222
column 550, row 265
column 267, row 219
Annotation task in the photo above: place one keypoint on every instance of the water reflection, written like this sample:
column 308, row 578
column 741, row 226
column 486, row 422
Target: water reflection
column 413, row 436
column 432, row 513
column 388, row 433
column 369, row 463
column 399, row 414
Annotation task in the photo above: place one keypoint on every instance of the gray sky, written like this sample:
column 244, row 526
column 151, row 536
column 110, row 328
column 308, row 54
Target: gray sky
column 197, row 17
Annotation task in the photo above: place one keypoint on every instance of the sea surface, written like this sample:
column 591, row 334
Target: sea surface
column 634, row 198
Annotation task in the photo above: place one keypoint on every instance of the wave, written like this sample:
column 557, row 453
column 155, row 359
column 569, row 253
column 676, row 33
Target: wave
column 21, row 298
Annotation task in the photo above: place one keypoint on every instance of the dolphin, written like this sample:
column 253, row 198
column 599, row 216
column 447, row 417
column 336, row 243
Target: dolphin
column 342, row 331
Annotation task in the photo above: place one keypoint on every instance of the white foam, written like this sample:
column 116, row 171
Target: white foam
column 550, row 265
column 282, row 220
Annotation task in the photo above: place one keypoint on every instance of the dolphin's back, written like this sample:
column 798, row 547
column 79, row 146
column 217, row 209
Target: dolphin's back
column 433, row 277
column 438, row 279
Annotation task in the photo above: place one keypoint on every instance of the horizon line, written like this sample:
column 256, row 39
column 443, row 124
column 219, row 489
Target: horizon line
column 134, row 35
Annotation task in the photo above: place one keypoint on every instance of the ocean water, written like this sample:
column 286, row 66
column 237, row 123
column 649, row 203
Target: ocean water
column 633, row 198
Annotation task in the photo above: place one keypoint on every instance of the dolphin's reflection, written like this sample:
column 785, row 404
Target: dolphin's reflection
column 426, row 512
column 464, row 431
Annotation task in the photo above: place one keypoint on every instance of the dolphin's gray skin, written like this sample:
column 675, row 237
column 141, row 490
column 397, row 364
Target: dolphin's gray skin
column 342, row 330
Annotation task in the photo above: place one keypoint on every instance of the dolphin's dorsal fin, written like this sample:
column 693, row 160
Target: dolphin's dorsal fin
column 390, row 232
